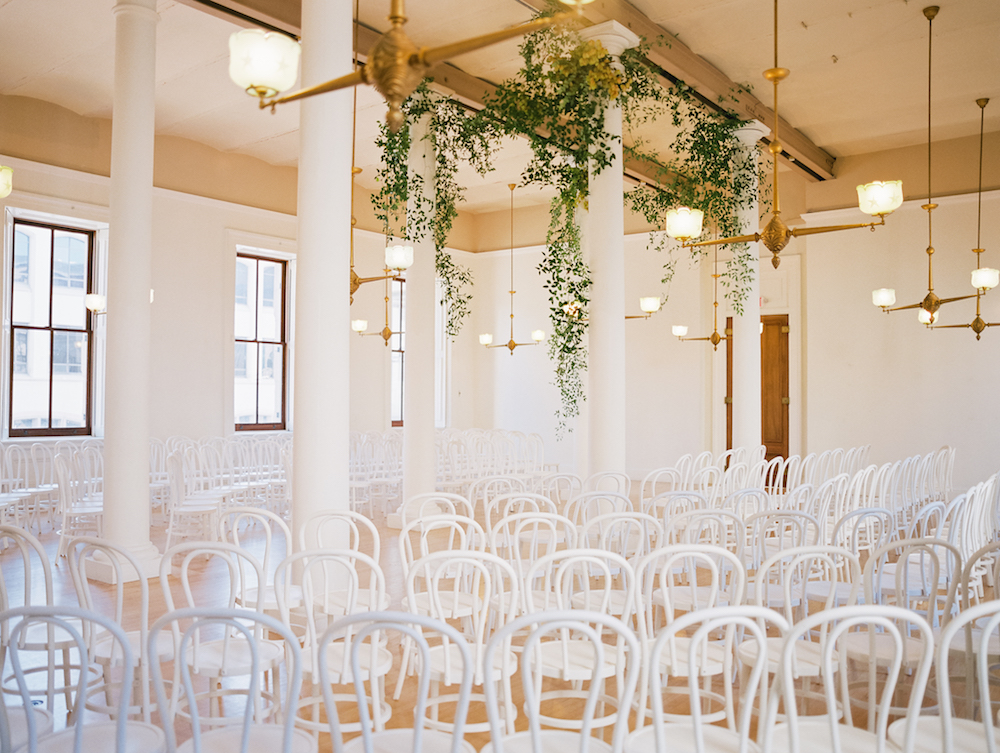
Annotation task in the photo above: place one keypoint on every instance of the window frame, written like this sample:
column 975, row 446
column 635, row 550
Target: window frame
column 284, row 286
column 53, row 224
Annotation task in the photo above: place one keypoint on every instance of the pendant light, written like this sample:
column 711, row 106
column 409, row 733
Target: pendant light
column 876, row 199
column 929, row 305
column 537, row 335
column 983, row 278
column 680, row 331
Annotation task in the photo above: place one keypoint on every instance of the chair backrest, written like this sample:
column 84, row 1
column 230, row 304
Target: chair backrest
column 503, row 505
column 923, row 568
column 238, row 520
column 864, row 530
column 231, row 569
column 979, row 624
column 524, row 537
column 630, row 534
column 716, row 527
column 674, row 658
column 75, row 628
column 32, row 560
column 195, row 626
column 608, row 481
column 566, row 627
column 747, row 502
column 434, row 503
column 447, row 579
column 783, row 578
column 580, row 579
column 668, row 504
column 482, row 490
column 340, row 529
column 434, row 533
column 363, row 632
column 125, row 567
column 772, row 531
column 658, row 481
column 834, row 626
column 591, row 504
column 561, row 487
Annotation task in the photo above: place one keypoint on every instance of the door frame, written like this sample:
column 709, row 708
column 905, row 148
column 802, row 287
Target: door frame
column 781, row 293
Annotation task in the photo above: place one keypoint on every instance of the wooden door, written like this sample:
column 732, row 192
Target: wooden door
column 773, row 384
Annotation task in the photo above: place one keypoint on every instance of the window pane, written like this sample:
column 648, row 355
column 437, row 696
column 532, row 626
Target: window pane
column 31, row 302
column 21, row 352
column 270, row 385
column 246, row 293
column 69, row 382
column 396, row 398
column 30, row 395
column 245, row 386
column 22, row 265
column 69, row 279
column 269, row 312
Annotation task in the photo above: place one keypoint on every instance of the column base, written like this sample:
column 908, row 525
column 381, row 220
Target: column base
column 148, row 557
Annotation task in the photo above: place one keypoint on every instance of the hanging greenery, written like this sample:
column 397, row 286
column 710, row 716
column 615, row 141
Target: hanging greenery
column 557, row 101
column 455, row 140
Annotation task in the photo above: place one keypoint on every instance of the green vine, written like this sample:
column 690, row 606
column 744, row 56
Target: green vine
column 455, row 140
column 557, row 101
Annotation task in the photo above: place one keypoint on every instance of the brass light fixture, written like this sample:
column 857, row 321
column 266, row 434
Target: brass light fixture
column 983, row 278
column 929, row 305
column 680, row 331
column 266, row 64
column 537, row 335
column 648, row 305
column 876, row 199
column 361, row 325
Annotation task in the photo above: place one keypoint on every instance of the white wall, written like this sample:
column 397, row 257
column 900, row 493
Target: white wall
column 887, row 380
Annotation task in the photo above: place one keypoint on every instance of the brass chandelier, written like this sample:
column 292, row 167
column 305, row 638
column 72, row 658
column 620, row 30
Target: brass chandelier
column 266, row 64
column 537, row 335
column 928, row 307
column 876, row 199
column 680, row 331
column 983, row 278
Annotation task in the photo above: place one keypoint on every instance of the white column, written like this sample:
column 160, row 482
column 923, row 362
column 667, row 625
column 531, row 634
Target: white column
column 746, row 328
column 130, row 257
column 321, row 413
column 419, row 472
column 605, row 230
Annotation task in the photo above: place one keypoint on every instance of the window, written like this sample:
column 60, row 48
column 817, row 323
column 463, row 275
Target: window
column 397, row 345
column 259, row 363
column 51, row 329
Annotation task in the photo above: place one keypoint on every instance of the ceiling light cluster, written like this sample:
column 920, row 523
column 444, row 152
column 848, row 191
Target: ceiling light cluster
column 983, row 278
column 875, row 199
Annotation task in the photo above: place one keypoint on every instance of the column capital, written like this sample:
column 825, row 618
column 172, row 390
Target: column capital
column 751, row 132
column 146, row 8
column 615, row 37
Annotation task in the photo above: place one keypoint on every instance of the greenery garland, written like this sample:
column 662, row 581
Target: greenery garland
column 557, row 102
column 455, row 140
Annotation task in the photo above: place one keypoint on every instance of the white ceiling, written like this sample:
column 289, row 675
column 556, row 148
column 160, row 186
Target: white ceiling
column 858, row 79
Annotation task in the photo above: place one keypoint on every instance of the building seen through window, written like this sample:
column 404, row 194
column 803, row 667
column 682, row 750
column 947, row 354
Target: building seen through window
column 51, row 329
column 259, row 362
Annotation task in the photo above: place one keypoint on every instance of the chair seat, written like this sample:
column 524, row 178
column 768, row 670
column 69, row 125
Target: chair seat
column 454, row 676
column 263, row 738
column 139, row 738
column 233, row 657
column 103, row 644
column 580, row 658
column 461, row 606
column 684, row 600
column 617, row 601
column 814, row 736
column 712, row 661
column 400, row 740
column 334, row 603
column 17, row 720
column 807, row 656
column 680, row 739
column 958, row 642
column 340, row 668
column 249, row 600
column 859, row 646
column 553, row 741
column 968, row 736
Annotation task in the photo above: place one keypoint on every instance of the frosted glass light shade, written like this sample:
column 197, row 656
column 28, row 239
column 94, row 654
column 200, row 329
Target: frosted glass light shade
column 985, row 278
column 6, row 181
column 538, row 335
column 486, row 339
column 684, row 223
column 649, row 305
column 399, row 256
column 679, row 330
column 359, row 325
column 263, row 63
column 884, row 297
column 926, row 317
column 95, row 302
column 880, row 196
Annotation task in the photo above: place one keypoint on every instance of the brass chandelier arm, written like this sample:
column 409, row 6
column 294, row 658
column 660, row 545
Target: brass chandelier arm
column 428, row 57
column 723, row 241
column 940, row 302
column 344, row 82
column 796, row 232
